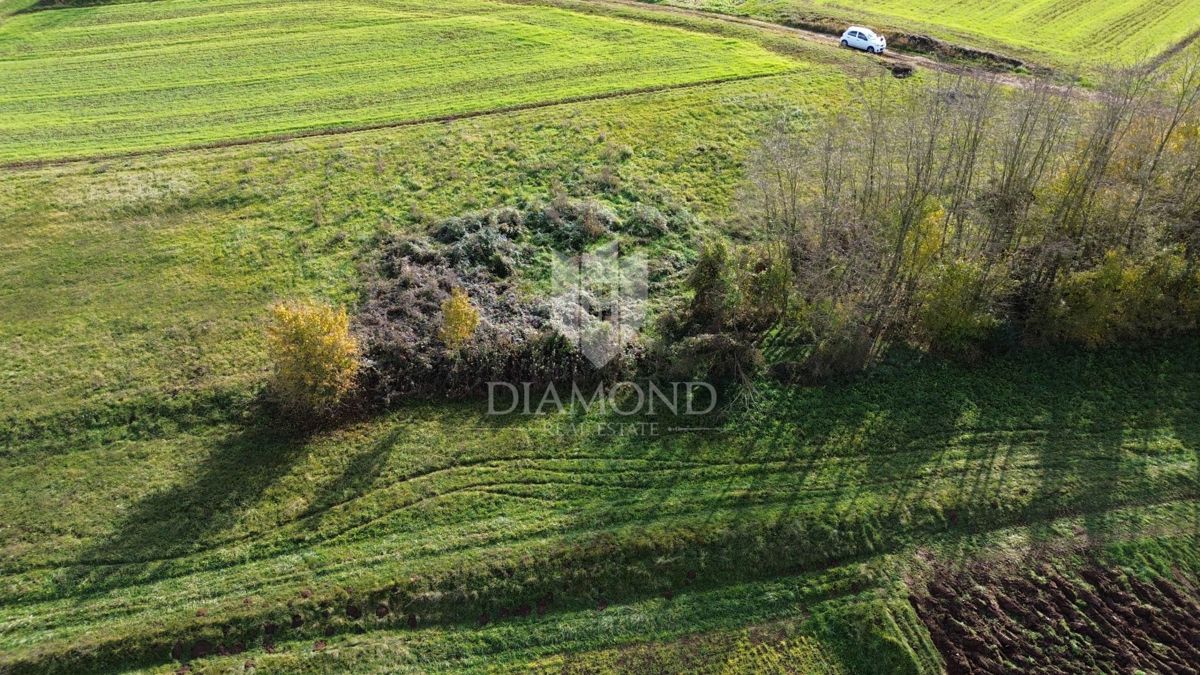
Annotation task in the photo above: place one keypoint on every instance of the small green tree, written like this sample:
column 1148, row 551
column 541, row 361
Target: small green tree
column 459, row 319
column 953, row 311
column 316, row 358
column 1089, row 305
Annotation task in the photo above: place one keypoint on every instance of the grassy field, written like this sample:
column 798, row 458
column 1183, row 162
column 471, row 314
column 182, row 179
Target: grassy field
column 141, row 76
column 1060, row 32
column 140, row 285
column 151, row 514
column 114, row 550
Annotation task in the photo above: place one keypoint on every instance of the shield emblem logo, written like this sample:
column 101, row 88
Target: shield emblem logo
column 599, row 300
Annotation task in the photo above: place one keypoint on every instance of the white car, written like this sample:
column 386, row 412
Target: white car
column 865, row 39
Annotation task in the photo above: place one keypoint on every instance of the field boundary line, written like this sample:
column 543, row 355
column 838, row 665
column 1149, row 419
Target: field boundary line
column 1172, row 51
column 19, row 165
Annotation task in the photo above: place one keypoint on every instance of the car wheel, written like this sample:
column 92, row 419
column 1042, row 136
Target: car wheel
column 870, row 50
column 845, row 44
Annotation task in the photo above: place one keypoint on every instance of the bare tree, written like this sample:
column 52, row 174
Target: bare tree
column 1182, row 87
column 1069, row 235
column 963, row 197
column 968, row 136
column 1026, row 144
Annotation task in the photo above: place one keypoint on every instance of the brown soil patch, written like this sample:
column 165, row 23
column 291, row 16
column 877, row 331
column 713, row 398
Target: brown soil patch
column 201, row 649
column 986, row 620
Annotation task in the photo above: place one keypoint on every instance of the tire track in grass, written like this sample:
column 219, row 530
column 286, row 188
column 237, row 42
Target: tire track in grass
column 123, row 606
column 136, row 646
column 745, row 468
column 22, row 165
column 1175, row 49
column 740, row 500
column 680, row 468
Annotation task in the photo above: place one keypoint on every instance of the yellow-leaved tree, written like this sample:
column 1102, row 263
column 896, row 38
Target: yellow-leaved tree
column 459, row 319
column 316, row 358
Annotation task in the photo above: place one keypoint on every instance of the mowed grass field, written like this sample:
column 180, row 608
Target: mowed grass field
column 139, row 286
column 1062, row 32
column 140, row 76
column 445, row 518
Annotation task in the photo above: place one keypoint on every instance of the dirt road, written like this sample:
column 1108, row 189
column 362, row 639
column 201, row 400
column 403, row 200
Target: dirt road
column 900, row 63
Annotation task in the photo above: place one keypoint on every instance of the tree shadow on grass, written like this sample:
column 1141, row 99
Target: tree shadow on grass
column 856, row 469
column 915, row 450
column 1098, row 455
column 1185, row 423
column 208, row 500
column 172, row 521
column 204, row 510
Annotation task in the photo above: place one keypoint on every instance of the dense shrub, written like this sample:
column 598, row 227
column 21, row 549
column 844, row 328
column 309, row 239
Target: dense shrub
column 717, row 358
column 1120, row 298
column 953, row 311
column 315, row 357
column 763, row 286
column 712, row 287
column 401, row 328
column 449, row 291
column 442, row 315
column 1166, row 297
column 1088, row 306
column 483, row 240
column 835, row 341
column 645, row 221
column 736, row 297
column 570, row 224
column 404, row 340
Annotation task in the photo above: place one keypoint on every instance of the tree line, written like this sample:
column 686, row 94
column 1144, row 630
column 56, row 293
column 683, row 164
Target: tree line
column 964, row 211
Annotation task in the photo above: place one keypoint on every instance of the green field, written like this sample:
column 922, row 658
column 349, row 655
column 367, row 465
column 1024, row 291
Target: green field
column 441, row 513
column 125, row 282
column 152, row 512
column 1060, row 32
column 144, row 76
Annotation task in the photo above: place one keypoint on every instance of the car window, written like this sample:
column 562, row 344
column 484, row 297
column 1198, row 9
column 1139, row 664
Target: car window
column 855, row 34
